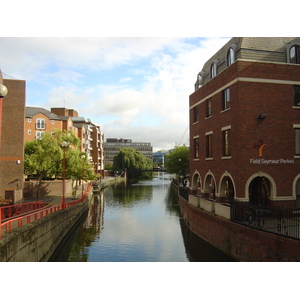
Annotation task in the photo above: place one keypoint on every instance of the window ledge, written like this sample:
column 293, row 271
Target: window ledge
column 296, row 156
column 196, row 159
column 209, row 158
column 296, row 107
column 225, row 110
column 226, row 157
column 209, row 117
column 195, row 122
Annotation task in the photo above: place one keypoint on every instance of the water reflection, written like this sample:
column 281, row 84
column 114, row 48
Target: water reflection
column 138, row 222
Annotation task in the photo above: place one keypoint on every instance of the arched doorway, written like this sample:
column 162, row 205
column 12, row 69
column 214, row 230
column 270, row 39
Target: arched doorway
column 298, row 193
column 210, row 187
column 227, row 189
column 196, row 183
column 259, row 191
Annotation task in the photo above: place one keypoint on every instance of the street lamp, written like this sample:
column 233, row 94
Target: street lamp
column 3, row 93
column 83, row 158
column 64, row 145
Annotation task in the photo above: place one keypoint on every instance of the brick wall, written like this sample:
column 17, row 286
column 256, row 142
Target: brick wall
column 248, row 100
column 12, row 138
column 239, row 242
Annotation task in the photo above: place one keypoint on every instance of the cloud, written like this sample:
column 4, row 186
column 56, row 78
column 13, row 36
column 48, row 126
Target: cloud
column 134, row 88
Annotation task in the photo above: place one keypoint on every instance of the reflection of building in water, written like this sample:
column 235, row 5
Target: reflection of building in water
column 96, row 213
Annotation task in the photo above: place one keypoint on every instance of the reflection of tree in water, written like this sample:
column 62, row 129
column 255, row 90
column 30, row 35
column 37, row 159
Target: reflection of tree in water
column 171, row 201
column 124, row 194
column 88, row 232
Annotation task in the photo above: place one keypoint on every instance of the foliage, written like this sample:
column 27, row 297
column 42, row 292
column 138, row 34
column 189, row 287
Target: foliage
column 43, row 157
column 134, row 162
column 177, row 161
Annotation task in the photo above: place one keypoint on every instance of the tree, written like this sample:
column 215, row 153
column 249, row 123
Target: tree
column 178, row 160
column 134, row 162
column 43, row 157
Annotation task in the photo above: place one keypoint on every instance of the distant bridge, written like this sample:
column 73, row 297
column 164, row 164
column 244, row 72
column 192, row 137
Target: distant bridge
column 154, row 170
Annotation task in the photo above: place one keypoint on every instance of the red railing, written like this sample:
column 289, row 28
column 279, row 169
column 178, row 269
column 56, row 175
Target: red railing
column 19, row 209
column 28, row 218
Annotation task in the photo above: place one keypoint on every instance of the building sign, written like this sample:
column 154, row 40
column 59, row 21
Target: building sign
column 261, row 161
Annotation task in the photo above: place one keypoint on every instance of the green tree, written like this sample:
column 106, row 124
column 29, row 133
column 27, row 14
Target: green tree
column 178, row 160
column 134, row 162
column 43, row 157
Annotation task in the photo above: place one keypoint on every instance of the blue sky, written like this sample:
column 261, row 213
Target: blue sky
column 135, row 88
column 118, row 74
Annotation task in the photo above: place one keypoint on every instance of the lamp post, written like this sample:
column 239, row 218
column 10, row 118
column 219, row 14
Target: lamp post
column 64, row 145
column 82, row 157
column 3, row 93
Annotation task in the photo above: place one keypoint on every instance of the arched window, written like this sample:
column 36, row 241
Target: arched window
column 230, row 57
column 293, row 53
column 199, row 82
column 213, row 70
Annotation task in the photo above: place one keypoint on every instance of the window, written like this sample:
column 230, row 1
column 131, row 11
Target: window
column 208, row 145
column 196, row 115
column 230, row 57
column 39, row 134
column 297, row 141
column 226, row 99
column 29, row 120
column 196, row 147
column 40, row 124
column 296, row 95
column 213, row 70
column 225, row 143
column 295, row 54
column 208, row 108
column 29, row 132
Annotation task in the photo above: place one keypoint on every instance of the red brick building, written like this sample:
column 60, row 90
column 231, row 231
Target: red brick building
column 12, row 141
column 245, row 123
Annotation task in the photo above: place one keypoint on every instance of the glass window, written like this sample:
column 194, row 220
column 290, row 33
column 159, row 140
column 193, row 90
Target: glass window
column 295, row 54
column 40, row 124
column 230, row 57
column 297, row 141
column 196, row 147
column 296, row 95
column 213, row 70
column 226, row 145
column 208, row 108
column 209, row 145
column 226, row 99
column 39, row 134
column 196, row 115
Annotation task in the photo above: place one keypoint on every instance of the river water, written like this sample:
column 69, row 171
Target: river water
column 137, row 222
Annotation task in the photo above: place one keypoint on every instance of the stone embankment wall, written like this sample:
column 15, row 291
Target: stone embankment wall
column 37, row 241
column 240, row 242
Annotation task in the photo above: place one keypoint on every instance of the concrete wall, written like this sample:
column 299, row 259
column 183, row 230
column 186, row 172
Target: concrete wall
column 240, row 242
column 36, row 242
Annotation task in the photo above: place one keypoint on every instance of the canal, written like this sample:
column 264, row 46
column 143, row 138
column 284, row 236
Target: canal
column 137, row 222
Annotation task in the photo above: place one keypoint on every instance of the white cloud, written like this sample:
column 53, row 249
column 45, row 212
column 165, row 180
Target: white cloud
column 134, row 87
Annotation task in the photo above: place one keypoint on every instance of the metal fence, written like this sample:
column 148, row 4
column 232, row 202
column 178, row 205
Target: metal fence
column 271, row 219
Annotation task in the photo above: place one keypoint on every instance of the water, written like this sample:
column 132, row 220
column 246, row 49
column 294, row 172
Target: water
column 137, row 223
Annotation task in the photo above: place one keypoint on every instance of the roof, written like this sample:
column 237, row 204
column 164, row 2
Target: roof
column 31, row 111
column 267, row 49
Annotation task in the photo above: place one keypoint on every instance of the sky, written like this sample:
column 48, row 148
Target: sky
column 135, row 88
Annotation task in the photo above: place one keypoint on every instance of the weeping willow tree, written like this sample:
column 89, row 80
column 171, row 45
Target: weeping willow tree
column 134, row 162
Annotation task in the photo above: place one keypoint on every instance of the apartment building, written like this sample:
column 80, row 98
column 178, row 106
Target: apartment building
column 245, row 123
column 113, row 146
column 92, row 139
column 12, row 140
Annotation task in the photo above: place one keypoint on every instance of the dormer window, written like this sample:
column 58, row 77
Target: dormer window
column 231, row 54
column 199, row 82
column 213, row 68
column 293, row 53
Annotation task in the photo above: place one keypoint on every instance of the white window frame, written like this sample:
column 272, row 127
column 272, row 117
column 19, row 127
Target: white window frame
column 40, row 123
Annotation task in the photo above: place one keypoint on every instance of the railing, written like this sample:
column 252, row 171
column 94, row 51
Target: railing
column 9, row 211
column 271, row 219
column 28, row 218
